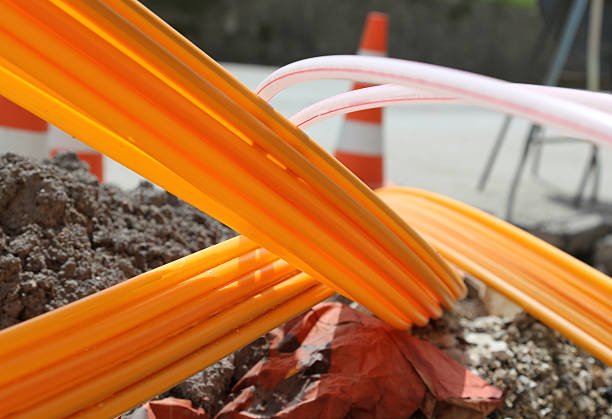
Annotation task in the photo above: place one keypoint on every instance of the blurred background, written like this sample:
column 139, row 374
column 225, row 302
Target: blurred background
column 473, row 154
column 509, row 39
column 444, row 148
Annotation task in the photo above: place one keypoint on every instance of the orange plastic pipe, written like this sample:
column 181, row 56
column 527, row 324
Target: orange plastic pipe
column 203, row 65
column 174, row 349
column 509, row 260
column 384, row 286
column 182, row 369
column 390, row 284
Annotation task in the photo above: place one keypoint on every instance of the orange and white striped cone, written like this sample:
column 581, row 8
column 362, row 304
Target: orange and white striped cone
column 360, row 147
column 21, row 132
column 58, row 140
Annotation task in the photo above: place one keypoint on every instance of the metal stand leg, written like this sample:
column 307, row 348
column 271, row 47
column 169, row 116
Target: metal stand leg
column 591, row 168
column 519, row 172
column 552, row 79
column 596, row 180
column 484, row 177
column 537, row 158
column 567, row 40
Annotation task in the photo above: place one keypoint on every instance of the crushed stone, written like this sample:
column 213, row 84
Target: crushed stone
column 542, row 373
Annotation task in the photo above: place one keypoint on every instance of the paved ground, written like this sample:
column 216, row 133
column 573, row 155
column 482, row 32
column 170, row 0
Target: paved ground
column 443, row 148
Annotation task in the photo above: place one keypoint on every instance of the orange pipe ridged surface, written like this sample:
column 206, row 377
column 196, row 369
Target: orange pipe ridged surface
column 563, row 292
column 86, row 57
column 124, row 339
column 54, row 360
column 114, row 75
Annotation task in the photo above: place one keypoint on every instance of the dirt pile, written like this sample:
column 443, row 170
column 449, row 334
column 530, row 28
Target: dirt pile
column 64, row 236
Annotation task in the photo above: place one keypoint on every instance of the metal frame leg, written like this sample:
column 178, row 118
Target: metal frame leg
column 552, row 78
column 567, row 40
column 484, row 177
column 519, row 172
column 537, row 158
column 596, row 181
column 592, row 168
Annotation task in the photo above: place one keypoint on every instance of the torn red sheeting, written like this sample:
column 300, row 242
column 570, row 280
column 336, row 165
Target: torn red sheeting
column 169, row 408
column 336, row 362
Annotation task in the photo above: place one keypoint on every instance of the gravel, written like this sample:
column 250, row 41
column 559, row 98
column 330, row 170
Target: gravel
column 542, row 373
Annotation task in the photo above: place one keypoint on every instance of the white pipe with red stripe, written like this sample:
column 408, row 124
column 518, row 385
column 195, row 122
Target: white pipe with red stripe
column 571, row 115
column 392, row 95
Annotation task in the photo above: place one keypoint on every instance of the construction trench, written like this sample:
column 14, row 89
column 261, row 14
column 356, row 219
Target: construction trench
column 86, row 237
column 115, row 76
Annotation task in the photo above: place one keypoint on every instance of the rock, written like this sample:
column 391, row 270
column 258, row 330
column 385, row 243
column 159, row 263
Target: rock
column 208, row 388
column 494, row 302
column 498, row 305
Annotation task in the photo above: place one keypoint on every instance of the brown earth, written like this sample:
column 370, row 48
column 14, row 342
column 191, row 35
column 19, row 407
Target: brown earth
column 64, row 236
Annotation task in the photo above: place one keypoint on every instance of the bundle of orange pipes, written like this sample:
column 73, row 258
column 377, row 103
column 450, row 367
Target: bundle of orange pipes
column 95, row 73
column 107, row 352
column 565, row 293
column 100, row 72
column 112, row 74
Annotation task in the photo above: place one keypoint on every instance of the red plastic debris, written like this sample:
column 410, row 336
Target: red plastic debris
column 335, row 362
column 169, row 408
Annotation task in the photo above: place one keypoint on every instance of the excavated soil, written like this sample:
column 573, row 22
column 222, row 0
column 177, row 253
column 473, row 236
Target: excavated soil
column 64, row 236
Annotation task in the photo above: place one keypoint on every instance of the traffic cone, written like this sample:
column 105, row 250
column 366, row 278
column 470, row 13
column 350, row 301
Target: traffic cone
column 360, row 147
column 21, row 132
column 58, row 140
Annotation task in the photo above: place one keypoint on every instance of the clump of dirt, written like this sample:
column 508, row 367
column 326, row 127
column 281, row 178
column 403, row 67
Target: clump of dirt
column 64, row 236
column 211, row 388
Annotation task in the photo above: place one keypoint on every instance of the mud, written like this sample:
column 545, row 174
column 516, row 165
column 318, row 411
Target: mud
column 64, row 236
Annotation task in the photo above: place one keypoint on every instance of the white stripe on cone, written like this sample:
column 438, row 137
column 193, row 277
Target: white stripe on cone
column 360, row 137
column 23, row 142
column 371, row 52
column 58, row 140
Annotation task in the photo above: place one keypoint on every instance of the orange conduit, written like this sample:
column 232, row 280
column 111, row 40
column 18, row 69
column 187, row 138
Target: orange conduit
column 560, row 290
column 206, row 67
column 83, row 55
column 111, row 73
column 161, row 316
column 76, row 356
column 206, row 355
